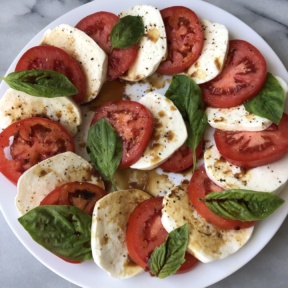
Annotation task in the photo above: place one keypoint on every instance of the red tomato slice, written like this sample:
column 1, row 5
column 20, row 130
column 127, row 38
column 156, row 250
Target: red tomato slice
column 33, row 140
column 80, row 194
column 242, row 77
column 181, row 159
column 200, row 185
column 189, row 264
column 184, row 37
column 145, row 232
column 252, row 149
column 134, row 124
column 99, row 26
column 56, row 59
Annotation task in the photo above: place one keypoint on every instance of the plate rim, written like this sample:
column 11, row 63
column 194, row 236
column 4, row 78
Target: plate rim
column 36, row 249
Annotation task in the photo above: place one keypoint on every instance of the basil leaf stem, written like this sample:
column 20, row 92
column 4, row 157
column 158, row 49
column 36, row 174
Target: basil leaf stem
column 126, row 32
column 244, row 205
column 41, row 83
column 63, row 230
column 168, row 257
column 270, row 102
column 105, row 149
column 187, row 97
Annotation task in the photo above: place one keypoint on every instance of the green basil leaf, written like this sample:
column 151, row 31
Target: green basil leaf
column 63, row 230
column 168, row 257
column 41, row 83
column 126, row 32
column 105, row 148
column 270, row 102
column 196, row 132
column 187, row 97
column 244, row 205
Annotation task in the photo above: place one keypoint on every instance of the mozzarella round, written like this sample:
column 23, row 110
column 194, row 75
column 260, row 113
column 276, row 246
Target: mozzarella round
column 16, row 105
column 38, row 181
column 266, row 178
column 152, row 46
column 215, row 47
column 236, row 119
column 108, row 232
column 169, row 131
column 206, row 242
column 283, row 84
column 91, row 58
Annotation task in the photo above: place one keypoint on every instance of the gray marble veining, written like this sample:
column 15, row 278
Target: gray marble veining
column 20, row 20
column 268, row 18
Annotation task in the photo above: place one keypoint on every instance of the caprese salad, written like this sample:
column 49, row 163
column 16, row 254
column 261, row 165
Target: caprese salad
column 145, row 141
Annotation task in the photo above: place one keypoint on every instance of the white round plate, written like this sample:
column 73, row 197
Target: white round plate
column 88, row 274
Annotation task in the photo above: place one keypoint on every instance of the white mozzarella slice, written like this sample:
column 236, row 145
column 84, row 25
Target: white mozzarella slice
column 108, row 232
column 85, row 51
column 16, row 105
column 267, row 178
column 169, row 131
column 213, row 55
column 38, row 181
column 152, row 46
column 283, row 84
column 206, row 242
column 236, row 119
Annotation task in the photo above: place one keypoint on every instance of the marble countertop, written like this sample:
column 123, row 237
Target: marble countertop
column 20, row 20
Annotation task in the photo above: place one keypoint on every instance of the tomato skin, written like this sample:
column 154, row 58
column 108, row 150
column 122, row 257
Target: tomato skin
column 181, row 159
column 253, row 149
column 68, row 260
column 185, row 39
column 134, row 124
column 46, row 57
column 189, row 264
column 99, row 26
column 145, row 232
column 34, row 139
column 200, row 185
column 83, row 195
column 242, row 77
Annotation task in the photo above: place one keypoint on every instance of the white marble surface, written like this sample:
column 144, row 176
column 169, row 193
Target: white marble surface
column 20, row 20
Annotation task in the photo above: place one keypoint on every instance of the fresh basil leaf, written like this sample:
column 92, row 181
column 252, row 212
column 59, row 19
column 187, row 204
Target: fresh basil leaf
column 244, row 205
column 187, row 97
column 63, row 230
column 168, row 257
column 105, row 148
column 270, row 102
column 41, row 83
column 126, row 32
column 196, row 132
